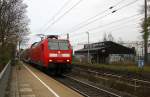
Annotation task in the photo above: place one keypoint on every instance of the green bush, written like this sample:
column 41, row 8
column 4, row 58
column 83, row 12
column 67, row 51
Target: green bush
column 6, row 54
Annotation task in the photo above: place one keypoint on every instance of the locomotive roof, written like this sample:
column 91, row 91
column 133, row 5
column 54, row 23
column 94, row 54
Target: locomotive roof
column 52, row 36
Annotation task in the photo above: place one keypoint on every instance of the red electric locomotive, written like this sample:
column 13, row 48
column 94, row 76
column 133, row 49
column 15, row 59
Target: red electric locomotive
column 52, row 53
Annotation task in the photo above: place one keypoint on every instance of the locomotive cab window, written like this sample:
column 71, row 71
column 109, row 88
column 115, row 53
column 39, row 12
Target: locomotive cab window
column 58, row 45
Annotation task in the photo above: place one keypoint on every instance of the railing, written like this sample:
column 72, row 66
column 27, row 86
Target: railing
column 4, row 77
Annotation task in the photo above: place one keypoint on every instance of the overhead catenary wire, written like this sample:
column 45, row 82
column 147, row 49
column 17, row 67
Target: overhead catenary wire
column 90, row 19
column 125, row 5
column 104, row 16
column 59, row 18
column 124, row 20
column 116, row 21
column 112, row 30
column 119, row 3
column 100, row 13
column 128, row 4
column 111, row 7
column 56, row 14
column 119, row 28
column 91, row 22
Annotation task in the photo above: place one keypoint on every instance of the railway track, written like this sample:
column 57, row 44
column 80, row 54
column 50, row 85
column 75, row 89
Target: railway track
column 129, row 86
column 86, row 89
column 120, row 77
column 83, row 88
column 90, row 89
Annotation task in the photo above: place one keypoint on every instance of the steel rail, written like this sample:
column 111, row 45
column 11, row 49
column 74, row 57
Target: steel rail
column 114, row 75
column 106, row 91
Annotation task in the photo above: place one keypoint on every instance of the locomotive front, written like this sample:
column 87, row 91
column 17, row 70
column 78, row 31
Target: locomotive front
column 59, row 51
column 59, row 54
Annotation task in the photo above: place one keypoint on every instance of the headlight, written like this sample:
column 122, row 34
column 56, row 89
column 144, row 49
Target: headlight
column 52, row 55
column 65, row 55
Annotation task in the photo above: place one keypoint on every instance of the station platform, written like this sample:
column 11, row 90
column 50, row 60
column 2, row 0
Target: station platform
column 27, row 81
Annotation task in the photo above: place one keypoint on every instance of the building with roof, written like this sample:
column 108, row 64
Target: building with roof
column 106, row 52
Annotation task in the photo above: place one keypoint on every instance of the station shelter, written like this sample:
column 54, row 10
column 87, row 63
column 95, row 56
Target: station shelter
column 106, row 52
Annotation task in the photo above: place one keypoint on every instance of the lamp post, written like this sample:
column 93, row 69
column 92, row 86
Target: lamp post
column 88, row 47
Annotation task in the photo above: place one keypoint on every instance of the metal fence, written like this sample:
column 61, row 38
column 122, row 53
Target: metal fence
column 4, row 77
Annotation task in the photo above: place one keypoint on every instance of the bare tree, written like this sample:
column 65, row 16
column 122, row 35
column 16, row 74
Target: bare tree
column 110, row 37
column 13, row 23
column 105, row 37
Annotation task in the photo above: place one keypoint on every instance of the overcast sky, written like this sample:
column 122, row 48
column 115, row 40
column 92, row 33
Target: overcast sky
column 45, row 18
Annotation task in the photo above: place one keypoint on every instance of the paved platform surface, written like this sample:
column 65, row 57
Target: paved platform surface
column 27, row 81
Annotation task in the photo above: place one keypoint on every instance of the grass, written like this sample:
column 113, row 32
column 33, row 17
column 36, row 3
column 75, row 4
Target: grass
column 119, row 67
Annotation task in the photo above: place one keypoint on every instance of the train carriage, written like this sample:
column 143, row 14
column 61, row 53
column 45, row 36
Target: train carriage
column 53, row 54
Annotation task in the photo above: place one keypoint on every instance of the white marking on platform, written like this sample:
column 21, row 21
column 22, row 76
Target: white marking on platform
column 28, row 96
column 24, row 85
column 25, row 90
column 52, row 91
